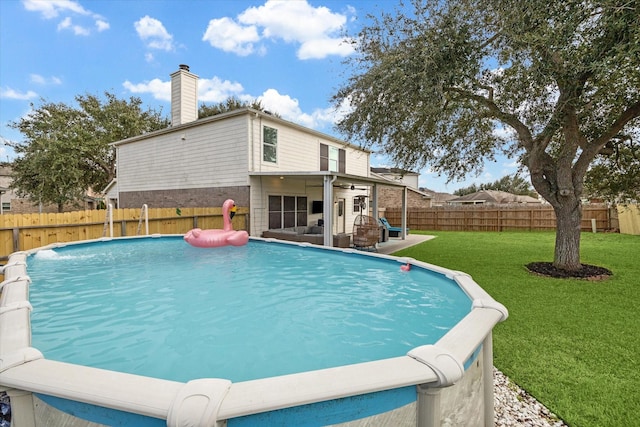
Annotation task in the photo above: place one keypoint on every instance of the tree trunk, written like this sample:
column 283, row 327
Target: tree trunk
column 567, row 252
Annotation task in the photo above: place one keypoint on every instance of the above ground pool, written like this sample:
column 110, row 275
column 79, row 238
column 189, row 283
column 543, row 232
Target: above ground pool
column 152, row 331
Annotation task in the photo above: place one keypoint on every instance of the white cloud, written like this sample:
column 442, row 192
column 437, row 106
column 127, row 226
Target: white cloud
column 209, row 90
column 151, row 31
column 288, row 108
column 227, row 35
column 53, row 8
column 14, row 94
column 314, row 29
column 50, row 9
column 505, row 133
column 320, row 48
column 216, row 90
column 102, row 25
column 156, row 87
column 67, row 24
column 512, row 164
column 41, row 80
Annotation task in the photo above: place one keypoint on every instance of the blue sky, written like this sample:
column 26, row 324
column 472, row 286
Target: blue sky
column 287, row 53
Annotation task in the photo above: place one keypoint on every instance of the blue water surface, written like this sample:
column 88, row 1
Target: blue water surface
column 161, row 308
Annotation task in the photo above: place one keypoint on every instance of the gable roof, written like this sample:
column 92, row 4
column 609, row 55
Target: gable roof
column 384, row 179
column 437, row 197
column 393, row 171
column 492, row 197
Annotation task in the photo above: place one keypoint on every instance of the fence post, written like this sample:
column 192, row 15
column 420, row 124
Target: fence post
column 16, row 239
column 531, row 220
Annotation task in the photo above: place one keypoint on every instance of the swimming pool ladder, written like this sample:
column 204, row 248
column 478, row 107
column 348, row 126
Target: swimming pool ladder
column 143, row 211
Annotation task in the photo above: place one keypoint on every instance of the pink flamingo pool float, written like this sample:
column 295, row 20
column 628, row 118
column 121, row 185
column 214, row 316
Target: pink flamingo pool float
column 215, row 237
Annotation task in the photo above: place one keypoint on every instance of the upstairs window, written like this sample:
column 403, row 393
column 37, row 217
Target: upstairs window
column 332, row 159
column 269, row 144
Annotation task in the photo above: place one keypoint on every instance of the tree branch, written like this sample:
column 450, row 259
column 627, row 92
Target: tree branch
column 590, row 150
column 524, row 135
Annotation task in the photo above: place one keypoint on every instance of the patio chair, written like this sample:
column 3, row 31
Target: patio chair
column 393, row 231
column 366, row 233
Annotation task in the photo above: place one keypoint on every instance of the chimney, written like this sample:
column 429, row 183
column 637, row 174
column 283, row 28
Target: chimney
column 184, row 96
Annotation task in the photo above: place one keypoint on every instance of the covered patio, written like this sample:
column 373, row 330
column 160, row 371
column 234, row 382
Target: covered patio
column 332, row 185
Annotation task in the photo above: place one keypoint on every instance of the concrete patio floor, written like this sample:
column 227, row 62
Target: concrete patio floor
column 395, row 243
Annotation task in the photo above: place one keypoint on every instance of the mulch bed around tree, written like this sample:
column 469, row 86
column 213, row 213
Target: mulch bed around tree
column 587, row 272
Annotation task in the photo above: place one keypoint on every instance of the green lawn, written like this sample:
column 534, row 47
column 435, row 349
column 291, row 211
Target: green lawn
column 573, row 344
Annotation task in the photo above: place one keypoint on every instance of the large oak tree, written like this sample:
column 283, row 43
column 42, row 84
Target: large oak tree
column 439, row 82
column 66, row 149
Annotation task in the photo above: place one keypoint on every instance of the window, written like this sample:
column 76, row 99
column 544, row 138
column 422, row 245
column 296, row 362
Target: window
column 359, row 204
column 6, row 206
column 332, row 159
column 269, row 144
column 287, row 211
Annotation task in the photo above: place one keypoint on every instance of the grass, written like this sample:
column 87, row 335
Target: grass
column 572, row 344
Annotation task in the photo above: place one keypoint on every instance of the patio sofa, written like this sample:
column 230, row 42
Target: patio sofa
column 313, row 234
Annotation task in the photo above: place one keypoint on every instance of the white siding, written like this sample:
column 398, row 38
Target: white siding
column 213, row 154
column 300, row 151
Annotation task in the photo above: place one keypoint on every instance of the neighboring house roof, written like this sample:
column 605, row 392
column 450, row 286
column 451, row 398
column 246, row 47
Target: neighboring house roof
column 492, row 197
column 110, row 186
column 438, row 198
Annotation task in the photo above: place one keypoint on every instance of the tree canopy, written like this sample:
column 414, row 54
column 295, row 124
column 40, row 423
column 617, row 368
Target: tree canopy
column 513, row 184
column 230, row 104
column 452, row 84
column 66, row 149
column 615, row 174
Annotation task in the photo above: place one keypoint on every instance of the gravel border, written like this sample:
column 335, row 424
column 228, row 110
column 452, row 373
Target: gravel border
column 515, row 407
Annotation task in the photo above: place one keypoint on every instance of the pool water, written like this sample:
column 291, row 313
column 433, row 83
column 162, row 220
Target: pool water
column 162, row 308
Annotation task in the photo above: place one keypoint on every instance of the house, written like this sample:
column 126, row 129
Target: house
column 391, row 197
column 438, row 198
column 286, row 174
column 11, row 203
column 493, row 197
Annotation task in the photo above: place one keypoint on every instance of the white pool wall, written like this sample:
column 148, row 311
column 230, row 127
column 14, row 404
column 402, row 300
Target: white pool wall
column 436, row 370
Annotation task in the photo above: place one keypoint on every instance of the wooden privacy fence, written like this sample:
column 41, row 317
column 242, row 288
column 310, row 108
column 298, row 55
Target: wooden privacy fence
column 494, row 218
column 629, row 219
column 19, row 232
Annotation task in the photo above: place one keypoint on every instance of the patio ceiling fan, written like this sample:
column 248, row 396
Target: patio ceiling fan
column 350, row 187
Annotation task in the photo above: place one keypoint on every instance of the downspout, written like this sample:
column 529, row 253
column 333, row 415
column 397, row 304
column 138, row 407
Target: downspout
column 327, row 208
column 117, row 183
column 252, row 151
column 374, row 201
column 403, row 233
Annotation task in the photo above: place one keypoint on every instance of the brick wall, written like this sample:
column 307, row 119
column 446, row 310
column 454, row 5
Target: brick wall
column 191, row 197
column 390, row 197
